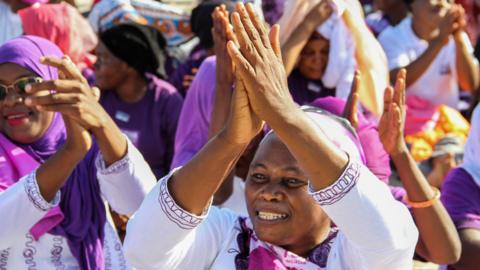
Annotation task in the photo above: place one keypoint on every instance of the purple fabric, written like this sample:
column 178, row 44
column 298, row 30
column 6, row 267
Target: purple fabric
column 81, row 203
column 378, row 161
column 195, row 59
column 194, row 122
column 461, row 197
column 150, row 123
column 273, row 10
column 14, row 164
column 305, row 91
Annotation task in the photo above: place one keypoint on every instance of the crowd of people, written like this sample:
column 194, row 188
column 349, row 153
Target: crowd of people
column 272, row 134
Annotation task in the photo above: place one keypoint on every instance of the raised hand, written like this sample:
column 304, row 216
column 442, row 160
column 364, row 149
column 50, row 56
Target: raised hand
column 259, row 64
column 351, row 108
column 79, row 139
column 320, row 13
column 243, row 124
column 222, row 32
column 392, row 122
column 71, row 95
column 449, row 23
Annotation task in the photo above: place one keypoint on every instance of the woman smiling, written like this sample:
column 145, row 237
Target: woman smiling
column 311, row 202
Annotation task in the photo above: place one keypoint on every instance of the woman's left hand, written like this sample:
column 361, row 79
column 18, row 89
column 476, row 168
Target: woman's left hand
column 392, row 123
column 70, row 95
column 350, row 111
column 259, row 63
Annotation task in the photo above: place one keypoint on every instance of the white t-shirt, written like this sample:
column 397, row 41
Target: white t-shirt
column 439, row 83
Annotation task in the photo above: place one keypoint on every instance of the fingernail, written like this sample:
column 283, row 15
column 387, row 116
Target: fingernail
column 28, row 88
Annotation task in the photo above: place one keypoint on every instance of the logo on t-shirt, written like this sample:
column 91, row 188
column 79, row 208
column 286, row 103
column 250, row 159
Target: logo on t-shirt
column 122, row 116
column 445, row 70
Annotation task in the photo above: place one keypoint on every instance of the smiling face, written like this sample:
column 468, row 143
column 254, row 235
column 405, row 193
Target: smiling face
column 314, row 58
column 17, row 121
column 281, row 210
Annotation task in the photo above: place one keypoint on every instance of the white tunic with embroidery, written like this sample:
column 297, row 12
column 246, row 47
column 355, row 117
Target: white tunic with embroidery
column 124, row 185
column 375, row 231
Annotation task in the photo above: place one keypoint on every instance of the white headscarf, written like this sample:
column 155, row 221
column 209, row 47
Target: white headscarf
column 471, row 160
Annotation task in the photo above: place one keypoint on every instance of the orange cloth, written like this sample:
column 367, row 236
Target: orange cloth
column 449, row 121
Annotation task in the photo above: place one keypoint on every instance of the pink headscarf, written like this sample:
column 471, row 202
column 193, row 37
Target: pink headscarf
column 14, row 164
column 33, row 2
column 63, row 25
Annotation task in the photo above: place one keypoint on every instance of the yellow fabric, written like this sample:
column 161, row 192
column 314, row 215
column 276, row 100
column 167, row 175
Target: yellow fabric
column 449, row 122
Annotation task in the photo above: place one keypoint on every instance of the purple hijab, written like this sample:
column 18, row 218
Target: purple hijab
column 377, row 159
column 81, row 203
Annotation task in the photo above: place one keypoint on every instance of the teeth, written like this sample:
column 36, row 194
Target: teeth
column 16, row 116
column 271, row 216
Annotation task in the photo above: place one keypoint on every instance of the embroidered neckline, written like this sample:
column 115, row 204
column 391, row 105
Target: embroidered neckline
column 318, row 255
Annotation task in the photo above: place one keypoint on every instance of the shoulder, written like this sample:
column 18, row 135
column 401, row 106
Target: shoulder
column 461, row 197
column 163, row 89
column 459, row 185
column 392, row 35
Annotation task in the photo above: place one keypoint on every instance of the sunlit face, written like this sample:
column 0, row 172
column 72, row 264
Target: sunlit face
column 20, row 123
column 110, row 71
column 281, row 210
column 430, row 11
column 314, row 58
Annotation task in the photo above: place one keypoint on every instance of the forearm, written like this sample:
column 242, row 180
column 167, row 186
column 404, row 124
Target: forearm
column 467, row 65
column 52, row 174
column 319, row 157
column 418, row 67
column 204, row 174
column 440, row 243
column 370, row 59
column 470, row 250
column 223, row 96
column 111, row 141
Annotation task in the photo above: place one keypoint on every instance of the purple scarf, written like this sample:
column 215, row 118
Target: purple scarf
column 81, row 204
column 378, row 161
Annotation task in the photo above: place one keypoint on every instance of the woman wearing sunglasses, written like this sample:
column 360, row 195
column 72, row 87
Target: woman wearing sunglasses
column 54, row 176
column 311, row 202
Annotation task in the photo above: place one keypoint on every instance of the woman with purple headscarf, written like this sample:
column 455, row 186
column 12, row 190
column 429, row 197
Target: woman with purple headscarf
column 54, row 176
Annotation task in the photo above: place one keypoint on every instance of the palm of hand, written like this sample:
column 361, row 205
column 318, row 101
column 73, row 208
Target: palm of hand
column 389, row 132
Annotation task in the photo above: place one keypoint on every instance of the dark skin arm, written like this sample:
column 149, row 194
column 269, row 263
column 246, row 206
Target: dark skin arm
column 439, row 241
column 469, row 259
column 78, row 104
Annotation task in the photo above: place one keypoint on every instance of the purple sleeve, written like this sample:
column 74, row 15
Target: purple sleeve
column 173, row 107
column 461, row 197
column 194, row 122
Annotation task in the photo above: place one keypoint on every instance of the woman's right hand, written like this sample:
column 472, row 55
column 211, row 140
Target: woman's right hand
column 243, row 124
column 79, row 139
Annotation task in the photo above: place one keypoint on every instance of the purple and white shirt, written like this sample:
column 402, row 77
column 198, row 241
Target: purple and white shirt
column 124, row 185
column 374, row 230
